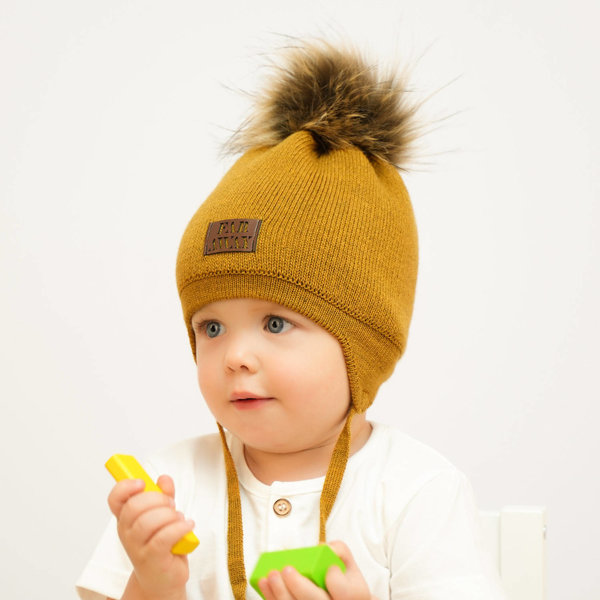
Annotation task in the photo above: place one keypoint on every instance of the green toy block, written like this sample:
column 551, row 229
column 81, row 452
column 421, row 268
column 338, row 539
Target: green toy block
column 312, row 562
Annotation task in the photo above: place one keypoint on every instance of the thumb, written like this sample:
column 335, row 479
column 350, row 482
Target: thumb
column 165, row 483
column 350, row 584
column 344, row 553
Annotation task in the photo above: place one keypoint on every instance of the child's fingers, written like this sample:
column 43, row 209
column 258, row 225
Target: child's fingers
column 273, row 587
column 350, row 585
column 347, row 586
column 167, row 536
column 121, row 492
column 340, row 584
column 138, row 504
column 301, row 587
column 150, row 522
column 344, row 553
column 165, row 483
column 265, row 588
column 290, row 585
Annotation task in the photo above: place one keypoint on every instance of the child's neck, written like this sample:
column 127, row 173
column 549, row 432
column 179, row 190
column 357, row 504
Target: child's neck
column 268, row 467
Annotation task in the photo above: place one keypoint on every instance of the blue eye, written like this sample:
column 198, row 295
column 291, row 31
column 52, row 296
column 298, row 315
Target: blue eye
column 277, row 324
column 213, row 329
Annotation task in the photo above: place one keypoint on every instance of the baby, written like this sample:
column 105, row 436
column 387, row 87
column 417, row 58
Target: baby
column 297, row 279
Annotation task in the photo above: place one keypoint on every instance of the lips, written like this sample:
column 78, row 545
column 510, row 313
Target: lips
column 242, row 396
column 248, row 400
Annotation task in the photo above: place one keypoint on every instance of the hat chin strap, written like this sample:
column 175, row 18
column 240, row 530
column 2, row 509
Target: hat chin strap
column 335, row 473
column 235, row 533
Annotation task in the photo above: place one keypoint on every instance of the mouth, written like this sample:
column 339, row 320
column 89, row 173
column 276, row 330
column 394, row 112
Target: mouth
column 246, row 401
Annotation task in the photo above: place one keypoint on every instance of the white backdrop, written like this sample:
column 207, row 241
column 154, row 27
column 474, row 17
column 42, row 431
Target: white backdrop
column 111, row 116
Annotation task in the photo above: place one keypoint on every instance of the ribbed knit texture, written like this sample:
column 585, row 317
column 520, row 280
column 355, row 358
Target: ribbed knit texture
column 338, row 244
column 335, row 473
column 235, row 532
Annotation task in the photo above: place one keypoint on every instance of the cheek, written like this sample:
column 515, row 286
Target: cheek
column 335, row 377
column 205, row 374
column 322, row 374
column 330, row 363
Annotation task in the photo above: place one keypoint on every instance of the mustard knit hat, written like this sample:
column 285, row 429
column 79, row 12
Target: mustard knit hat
column 315, row 216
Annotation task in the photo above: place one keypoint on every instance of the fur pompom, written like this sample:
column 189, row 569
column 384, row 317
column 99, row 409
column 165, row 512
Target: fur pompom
column 339, row 99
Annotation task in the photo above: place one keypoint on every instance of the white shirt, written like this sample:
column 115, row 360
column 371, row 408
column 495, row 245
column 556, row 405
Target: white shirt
column 407, row 514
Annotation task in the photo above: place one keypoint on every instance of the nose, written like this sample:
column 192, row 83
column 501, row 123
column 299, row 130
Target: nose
column 241, row 354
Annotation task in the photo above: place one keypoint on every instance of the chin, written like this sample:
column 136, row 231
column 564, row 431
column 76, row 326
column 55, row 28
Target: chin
column 272, row 444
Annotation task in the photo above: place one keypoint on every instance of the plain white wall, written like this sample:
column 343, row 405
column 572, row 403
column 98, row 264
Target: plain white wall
column 111, row 115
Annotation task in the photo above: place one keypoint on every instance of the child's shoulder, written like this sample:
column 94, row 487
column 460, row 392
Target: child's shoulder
column 397, row 456
column 396, row 471
column 410, row 450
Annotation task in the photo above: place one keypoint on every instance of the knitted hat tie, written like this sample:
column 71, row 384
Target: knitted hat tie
column 235, row 536
column 335, row 473
column 314, row 216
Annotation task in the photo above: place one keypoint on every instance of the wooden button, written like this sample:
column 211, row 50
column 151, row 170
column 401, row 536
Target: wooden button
column 282, row 507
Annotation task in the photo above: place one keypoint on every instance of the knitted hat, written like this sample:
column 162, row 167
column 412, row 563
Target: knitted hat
column 314, row 216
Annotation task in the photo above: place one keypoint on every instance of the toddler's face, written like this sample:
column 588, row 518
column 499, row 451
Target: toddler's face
column 271, row 376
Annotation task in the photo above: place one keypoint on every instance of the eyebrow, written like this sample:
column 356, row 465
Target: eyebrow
column 199, row 318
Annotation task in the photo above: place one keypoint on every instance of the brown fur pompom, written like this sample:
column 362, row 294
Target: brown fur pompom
column 340, row 99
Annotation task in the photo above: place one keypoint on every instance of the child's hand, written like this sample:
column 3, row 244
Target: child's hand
column 290, row 585
column 149, row 526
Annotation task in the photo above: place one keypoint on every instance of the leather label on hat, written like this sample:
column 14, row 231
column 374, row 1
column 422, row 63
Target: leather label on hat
column 232, row 235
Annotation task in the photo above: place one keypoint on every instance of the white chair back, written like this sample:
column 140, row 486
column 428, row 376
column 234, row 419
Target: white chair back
column 516, row 539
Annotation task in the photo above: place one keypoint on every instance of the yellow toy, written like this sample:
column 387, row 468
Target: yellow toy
column 123, row 466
